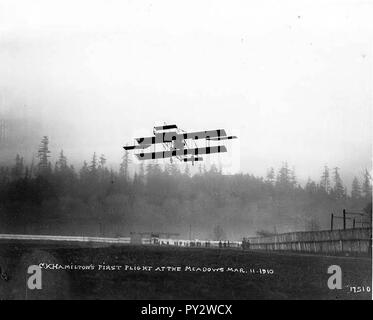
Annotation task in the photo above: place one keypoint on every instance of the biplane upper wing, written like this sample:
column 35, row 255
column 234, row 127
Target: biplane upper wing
column 171, row 136
column 166, row 127
column 204, row 134
column 159, row 138
column 180, row 152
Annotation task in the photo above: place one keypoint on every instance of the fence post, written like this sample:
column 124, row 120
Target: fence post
column 331, row 222
column 344, row 219
column 353, row 223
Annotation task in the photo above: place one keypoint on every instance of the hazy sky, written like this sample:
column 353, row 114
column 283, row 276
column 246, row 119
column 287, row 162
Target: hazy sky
column 293, row 79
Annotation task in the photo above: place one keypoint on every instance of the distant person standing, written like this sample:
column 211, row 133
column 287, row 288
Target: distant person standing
column 4, row 276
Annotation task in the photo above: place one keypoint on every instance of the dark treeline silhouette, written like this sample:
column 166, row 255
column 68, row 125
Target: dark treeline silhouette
column 57, row 199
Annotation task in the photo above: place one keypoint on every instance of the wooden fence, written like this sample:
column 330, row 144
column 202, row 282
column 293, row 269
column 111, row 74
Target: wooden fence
column 24, row 237
column 356, row 241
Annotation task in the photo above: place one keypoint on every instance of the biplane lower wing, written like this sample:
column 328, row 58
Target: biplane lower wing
column 180, row 152
column 221, row 138
column 193, row 159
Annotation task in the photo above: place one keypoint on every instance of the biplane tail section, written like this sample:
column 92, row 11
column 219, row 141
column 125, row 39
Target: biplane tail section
column 142, row 146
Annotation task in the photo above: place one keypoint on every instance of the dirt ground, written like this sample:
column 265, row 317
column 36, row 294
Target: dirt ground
column 76, row 271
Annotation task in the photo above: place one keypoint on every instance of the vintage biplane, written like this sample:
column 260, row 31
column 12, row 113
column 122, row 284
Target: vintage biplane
column 179, row 144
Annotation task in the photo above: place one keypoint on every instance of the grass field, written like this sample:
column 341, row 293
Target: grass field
column 236, row 274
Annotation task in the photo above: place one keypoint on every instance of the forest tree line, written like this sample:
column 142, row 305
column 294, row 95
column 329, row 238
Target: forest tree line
column 96, row 200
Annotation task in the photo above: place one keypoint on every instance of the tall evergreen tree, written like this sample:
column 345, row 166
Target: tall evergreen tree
column 149, row 170
column 93, row 166
column 338, row 190
column 84, row 171
column 356, row 189
column 187, row 170
column 367, row 186
column 311, row 186
column 156, row 168
column 44, row 166
column 270, row 178
column 213, row 169
column 293, row 178
column 123, row 170
column 283, row 176
column 102, row 161
column 218, row 233
column 172, row 169
column 325, row 180
column 141, row 175
column 18, row 169
column 61, row 164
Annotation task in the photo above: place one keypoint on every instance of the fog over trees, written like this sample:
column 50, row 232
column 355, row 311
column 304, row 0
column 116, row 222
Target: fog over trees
column 42, row 197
